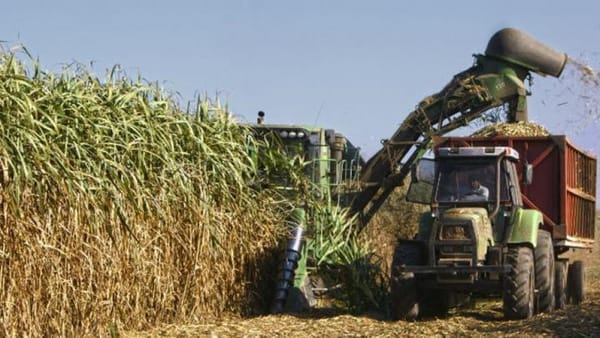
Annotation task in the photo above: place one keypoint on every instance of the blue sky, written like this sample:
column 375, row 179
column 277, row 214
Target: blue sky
column 356, row 66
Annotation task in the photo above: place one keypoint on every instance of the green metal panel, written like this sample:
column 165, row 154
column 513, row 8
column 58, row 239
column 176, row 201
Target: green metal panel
column 478, row 217
column 524, row 227
column 312, row 147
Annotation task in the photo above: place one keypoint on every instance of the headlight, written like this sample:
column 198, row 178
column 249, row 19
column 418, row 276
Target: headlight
column 283, row 134
column 292, row 134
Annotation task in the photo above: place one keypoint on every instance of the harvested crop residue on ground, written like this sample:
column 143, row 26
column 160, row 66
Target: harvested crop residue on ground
column 484, row 319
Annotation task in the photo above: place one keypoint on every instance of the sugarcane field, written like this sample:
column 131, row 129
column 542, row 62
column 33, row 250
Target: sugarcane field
column 130, row 211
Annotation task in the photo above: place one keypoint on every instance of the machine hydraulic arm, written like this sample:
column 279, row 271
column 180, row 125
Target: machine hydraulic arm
column 496, row 79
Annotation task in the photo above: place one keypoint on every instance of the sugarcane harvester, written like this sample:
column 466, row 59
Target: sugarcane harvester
column 495, row 80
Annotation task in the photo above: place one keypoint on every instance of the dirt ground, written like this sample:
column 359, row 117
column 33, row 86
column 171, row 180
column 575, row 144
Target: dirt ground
column 485, row 319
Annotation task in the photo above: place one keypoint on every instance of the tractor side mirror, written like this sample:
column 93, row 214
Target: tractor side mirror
column 528, row 174
column 422, row 176
column 423, row 170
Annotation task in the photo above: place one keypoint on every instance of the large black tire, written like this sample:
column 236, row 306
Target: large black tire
column 560, row 283
column 576, row 282
column 434, row 303
column 519, row 283
column 403, row 292
column 544, row 272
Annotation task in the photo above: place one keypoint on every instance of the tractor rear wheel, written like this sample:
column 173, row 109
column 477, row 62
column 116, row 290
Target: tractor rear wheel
column 544, row 272
column 404, row 291
column 560, row 283
column 519, row 283
column 575, row 282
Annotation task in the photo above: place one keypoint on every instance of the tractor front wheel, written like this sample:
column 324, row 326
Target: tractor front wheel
column 404, row 292
column 519, row 283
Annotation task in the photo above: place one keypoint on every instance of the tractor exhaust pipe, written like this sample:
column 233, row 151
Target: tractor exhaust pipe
column 515, row 46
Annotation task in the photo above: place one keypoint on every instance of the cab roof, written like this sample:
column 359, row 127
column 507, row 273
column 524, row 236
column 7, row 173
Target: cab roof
column 457, row 152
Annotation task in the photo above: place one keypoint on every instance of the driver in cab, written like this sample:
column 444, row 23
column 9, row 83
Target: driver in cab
column 478, row 192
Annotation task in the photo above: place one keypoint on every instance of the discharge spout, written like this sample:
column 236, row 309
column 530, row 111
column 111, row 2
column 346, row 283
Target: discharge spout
column 515, row 46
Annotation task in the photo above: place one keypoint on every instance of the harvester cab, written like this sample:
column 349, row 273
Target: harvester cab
column 332, row 165
column 329, row 159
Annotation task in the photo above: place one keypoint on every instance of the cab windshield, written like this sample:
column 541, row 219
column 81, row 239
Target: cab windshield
column 468, row 181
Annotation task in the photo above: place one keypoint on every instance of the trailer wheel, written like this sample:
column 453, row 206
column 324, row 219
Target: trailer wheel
column 544, row 272
column 403, row 292
column 519, row 283
column 575, row 282
column 560, row 283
